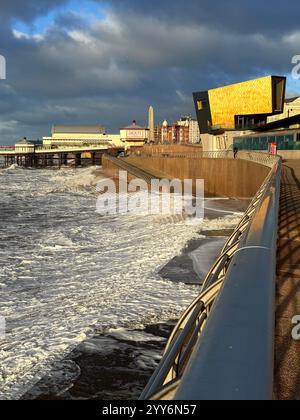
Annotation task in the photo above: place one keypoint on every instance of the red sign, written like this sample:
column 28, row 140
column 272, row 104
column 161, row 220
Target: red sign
column 273, row 149
column 136, row 134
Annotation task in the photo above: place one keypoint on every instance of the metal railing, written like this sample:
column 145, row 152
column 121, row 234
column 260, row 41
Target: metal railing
column 222, row 347
column 256, row 157
column 99, row 147
column 132, row 169
column 42, row 150
column 5, row 148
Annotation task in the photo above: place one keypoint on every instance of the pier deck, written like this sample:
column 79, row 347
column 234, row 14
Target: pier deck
column 287, row 350
column 42, row 157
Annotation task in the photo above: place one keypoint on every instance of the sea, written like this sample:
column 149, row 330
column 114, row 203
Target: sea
column 73, row 280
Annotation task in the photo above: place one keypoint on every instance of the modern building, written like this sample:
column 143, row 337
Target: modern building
column 134, row 136
column 291, row 109
column 151, row 124
column 239, row 110
column 242, row 106
column 285, row 140
column 80, row 135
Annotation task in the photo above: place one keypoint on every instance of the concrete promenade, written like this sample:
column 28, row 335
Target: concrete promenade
column 287, row 350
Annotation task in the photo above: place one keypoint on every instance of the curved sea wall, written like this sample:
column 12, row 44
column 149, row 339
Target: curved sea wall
column 236, row 178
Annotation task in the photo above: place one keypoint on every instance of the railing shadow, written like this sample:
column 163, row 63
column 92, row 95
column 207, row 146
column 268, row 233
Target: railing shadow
column 287, row 350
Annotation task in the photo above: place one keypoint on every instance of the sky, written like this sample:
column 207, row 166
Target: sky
column 105, row 62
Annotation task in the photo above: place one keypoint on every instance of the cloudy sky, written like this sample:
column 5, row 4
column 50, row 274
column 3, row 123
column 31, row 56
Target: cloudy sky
column 94, row 61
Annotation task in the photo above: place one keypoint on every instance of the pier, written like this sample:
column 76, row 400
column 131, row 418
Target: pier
column 40, row 157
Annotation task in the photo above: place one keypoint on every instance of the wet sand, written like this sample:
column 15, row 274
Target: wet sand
column 112, row 366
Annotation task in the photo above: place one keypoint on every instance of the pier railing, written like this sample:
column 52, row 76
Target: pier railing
column 70, row 149
column 222, row 347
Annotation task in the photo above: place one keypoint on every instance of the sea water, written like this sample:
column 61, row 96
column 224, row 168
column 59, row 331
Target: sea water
column 66, row 271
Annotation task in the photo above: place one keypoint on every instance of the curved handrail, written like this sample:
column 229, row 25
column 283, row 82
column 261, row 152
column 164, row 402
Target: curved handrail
column 253, row 247
column 194, row 318
column 257, row 157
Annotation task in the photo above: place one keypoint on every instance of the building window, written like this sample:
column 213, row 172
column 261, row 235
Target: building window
column 240, row 122
column 201, row 105
column 298, row 137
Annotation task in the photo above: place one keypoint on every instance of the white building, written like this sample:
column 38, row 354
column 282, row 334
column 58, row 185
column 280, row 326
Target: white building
column 80, row 135
column 291, row 108
column 194, row 131
column 220, row 142
column 24, row 146
column 134, row 136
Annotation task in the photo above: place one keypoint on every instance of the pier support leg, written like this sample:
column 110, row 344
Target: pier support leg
column 77, row 159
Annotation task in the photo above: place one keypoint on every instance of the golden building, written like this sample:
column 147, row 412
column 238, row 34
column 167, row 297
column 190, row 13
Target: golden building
column 241, row 106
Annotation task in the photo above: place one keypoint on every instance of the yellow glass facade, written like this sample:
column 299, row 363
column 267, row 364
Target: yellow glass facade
column 247, row 98
column 244, row 105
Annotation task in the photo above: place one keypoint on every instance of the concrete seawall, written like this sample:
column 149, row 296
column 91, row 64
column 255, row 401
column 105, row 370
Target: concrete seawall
column 223, row 177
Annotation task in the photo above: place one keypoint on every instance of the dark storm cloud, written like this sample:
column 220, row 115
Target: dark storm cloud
column 242, row 16
column 109, row 70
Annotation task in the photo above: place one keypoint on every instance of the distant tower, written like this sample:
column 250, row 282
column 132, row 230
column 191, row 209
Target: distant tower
column 151, row 124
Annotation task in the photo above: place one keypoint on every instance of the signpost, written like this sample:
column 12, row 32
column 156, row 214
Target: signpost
column 273, row 149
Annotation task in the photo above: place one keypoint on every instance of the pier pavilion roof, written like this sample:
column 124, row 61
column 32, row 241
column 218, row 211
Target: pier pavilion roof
column 25, row 142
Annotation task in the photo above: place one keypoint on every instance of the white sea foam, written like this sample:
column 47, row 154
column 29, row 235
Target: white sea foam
column 78, row 180
column 13, row 167
column 9, row 169
column 204, row 257
column 148, row 360
column 66, row 271
column 134, row 336
column 227, row 222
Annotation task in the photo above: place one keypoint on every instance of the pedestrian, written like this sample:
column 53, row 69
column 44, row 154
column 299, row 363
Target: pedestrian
column 235, row 152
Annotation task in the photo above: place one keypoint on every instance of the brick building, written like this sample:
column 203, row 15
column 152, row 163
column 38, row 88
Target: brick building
column 183, row 131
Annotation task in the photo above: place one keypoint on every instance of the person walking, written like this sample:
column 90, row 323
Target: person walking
column 235, row 152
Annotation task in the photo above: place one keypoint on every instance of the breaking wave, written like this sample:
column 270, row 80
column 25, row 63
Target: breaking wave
column 66, row 271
